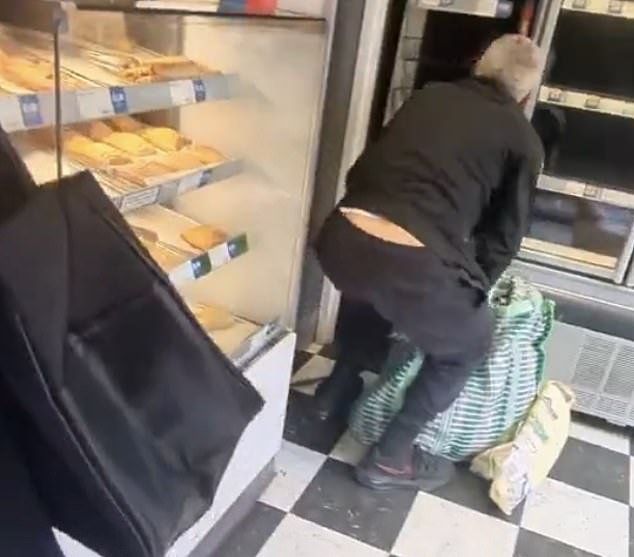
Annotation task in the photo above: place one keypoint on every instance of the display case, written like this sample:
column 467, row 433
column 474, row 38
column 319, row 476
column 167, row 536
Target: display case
column 591, row 96
column 200, row 120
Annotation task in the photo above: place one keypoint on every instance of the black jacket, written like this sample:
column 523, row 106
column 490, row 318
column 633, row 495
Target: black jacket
column 457, row 168
column 124, row 411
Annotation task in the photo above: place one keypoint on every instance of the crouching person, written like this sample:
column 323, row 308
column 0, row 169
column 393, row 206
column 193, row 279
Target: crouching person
column 434, row 212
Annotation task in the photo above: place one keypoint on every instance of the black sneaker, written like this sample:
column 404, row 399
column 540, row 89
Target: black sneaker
column 427, row 472
column 336, row 395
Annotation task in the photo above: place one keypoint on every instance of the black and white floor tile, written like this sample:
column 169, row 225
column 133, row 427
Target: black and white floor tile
column 314, row 508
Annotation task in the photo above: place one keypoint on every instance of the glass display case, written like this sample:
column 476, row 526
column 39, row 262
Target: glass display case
column 590, row 95
column 200, row 120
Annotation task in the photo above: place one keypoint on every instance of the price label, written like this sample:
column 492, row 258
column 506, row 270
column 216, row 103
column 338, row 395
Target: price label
column 183, row 273
column 200, row 90
column 189, row 182
column 429, row 3
column 11, row 118
column 95, row 104
column 201, row 266
column 168, row 191
column 628, row 109
column 219, row 256
column 139, row 199
column 205, row 176
column 615, row 7
column 119, row 100
column 579, row 4
column 556, row 95
column 592, row 192
column 182, row 92
column 237, row 246
column 31, row 112
column 592, row 102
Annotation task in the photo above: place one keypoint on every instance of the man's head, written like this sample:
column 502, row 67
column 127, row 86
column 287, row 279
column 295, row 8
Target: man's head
column 514, row 62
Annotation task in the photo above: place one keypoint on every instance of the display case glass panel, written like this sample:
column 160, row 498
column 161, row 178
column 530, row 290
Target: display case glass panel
column 578, row 233
column 201, row 129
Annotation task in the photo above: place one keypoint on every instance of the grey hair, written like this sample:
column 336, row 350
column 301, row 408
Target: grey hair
column 514, row 62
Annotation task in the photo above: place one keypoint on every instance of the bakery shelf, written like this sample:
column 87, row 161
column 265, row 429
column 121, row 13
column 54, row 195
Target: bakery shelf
column 482, row 8
column 593, row 192
column 165, row 190
column 183, row 263
column 246, row 341
column 37, row 110
column 209, row 261
column 614, row 8
column 553, row 260
column 584, row 100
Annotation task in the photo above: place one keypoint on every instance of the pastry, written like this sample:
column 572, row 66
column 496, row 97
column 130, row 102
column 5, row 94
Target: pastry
column 97, row 131
column 206, row 155
column 211, row 317
column 139, row 172
column 130, row 143
column 126, row 124
column 34, row 75
column 179, row 161
column 166, row 139
column 92, row 153
column 167, row 67
column 204, row 237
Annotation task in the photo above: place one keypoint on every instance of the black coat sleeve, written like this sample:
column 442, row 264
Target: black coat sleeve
column 499, row 235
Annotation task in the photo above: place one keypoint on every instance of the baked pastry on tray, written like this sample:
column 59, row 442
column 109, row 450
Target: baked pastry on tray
column 166, row 139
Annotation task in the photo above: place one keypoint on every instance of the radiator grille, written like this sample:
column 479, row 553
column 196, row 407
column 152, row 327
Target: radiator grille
column 594, row 360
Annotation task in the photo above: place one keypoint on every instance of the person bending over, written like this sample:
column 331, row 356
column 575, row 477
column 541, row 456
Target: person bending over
column 434, row 212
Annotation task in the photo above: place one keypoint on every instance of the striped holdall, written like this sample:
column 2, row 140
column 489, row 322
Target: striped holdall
column 497, row 394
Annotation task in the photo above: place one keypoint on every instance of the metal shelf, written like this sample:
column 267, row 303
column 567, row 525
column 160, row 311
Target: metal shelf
column 614, row 8
column 164, row 192
column 219, row 8
column 584, row 100
column 210, row 261
column 592, row 192
column 37, row 110
column 482, row 8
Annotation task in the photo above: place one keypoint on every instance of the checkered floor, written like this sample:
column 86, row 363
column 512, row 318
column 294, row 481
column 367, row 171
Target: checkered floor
column 314, row 509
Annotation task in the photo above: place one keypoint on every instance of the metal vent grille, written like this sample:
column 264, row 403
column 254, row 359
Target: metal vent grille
column 594, row 359
column 620, row 381
column 613, row 409
column 585, row 401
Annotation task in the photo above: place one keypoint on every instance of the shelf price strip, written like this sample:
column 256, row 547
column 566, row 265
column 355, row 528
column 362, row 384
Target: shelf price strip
column 616, row 8
column 210, row 261
column 166, row 192
column 587, row 101
column 98, row 103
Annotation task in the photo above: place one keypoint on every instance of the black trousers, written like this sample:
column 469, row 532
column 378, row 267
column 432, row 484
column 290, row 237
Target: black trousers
column 410, row 287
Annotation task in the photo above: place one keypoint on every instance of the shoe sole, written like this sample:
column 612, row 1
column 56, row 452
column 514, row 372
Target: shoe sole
column 420, row 485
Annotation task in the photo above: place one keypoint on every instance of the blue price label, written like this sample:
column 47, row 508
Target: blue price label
column 201, row 266
column 31, row 112
column 205, row 176
column 119, row 100
column 200, row 91
column 237, row 246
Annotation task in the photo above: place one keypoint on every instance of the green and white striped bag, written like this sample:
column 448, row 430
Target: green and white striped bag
column 496, row 395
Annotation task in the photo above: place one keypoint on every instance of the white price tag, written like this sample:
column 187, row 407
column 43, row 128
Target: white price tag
column 182, row 273
column 95, row 104
column 189, row 182
column 219, row 256
column 139, row 199
column 10, row 113
column 182, row 92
